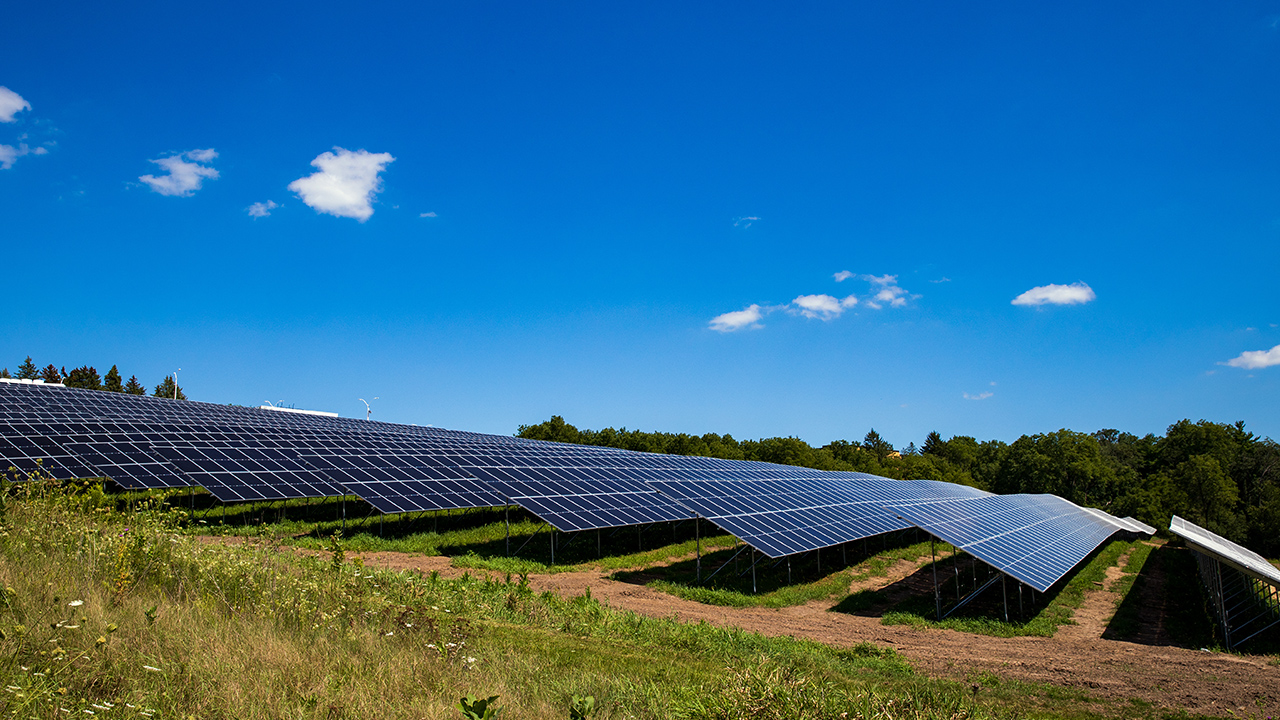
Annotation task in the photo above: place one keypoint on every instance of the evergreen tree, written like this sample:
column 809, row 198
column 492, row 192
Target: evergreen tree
column 133, row 387
column 933, row 444
column 51, row 374
column 910, row 449
column 85, row 377
column 877, row 444
column 5, row 373
column 166, row 389
column 111, row 383
column 27, row 370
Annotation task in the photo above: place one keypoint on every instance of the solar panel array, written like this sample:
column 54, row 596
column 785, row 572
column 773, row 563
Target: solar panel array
column 243, row 454
column 1036, row 539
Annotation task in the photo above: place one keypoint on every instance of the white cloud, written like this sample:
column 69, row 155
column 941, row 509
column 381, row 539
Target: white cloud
column 430, row 214
column 889, row 293
column 823, row 307
column 1256, row 359
column 11, row 103
column 945, row 279
column 9, row 153
column 1076, row 293
column 261, row 209
column 979, row 396
column 346, row 183
column 744, row 222
column 184, row 177
column 748, row 317
column 842, row 275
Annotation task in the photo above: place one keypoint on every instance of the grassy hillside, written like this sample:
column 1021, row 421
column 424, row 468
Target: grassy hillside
column 118, row 614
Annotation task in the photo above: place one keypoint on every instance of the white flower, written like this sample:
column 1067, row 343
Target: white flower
column 75, row 603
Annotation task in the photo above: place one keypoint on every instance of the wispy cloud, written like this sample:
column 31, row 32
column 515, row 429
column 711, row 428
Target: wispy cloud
column 842, row 275
column 346, row 184
column 979, row 396
column 9, row 153
column 261, row 209
column 184, row 176
column 941, row 280
column 1256, row 359
column 11, row 103
column 748, row 317
column 823, row 307
column 888, row 292
column 745, row 222
column 427, row 214
column 1077, row 293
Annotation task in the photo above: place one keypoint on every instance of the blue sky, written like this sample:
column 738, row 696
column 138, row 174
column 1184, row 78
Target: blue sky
column 733, row 217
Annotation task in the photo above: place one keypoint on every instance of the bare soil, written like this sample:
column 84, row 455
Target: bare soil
column 1078, row 657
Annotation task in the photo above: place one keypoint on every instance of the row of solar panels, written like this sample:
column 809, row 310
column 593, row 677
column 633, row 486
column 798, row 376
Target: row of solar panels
column 242, row 454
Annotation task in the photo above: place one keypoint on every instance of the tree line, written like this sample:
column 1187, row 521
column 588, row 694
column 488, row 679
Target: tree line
column 86, row 377
column 1217, row 475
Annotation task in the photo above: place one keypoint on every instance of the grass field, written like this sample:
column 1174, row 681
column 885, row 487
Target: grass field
column 124, row 613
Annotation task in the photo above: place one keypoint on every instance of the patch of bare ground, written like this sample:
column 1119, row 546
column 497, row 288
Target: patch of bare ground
column 1076, row 657
column 895, row 572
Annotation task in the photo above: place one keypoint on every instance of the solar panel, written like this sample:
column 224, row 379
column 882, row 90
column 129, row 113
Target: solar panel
column 130, row 464
column 1237, row 556
column 572, row 499
column 1036, row 539
column 234, row 474
column 787, row 516
column 396, row 488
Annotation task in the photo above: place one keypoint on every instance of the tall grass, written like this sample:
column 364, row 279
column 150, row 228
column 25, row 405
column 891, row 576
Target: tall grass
column 119, row 614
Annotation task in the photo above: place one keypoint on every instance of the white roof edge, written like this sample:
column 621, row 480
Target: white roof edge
column 296, row 410
column 31, row 382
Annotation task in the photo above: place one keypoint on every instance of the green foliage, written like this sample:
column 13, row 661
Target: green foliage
column 4, row 373
column 166, row 389
column 27, row 370
column 50, row 374
column 582, row 707
column 111, row 382
column 133, row 387
column 473, row 708
column 84, row 377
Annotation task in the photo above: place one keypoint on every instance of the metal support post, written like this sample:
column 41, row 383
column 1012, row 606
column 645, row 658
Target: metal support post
column 788, row 571
column 955, row 566
column 599, row 545
column 697, row 541
column 506, row 519
column 553, row 546
column 753, row 571
column 937, row 596
column 1005, row 592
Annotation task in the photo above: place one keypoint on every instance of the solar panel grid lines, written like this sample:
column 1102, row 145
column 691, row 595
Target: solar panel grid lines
column 1224, row 550
column 1036, row 539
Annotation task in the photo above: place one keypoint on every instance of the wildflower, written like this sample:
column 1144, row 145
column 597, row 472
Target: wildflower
column 393, row 632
